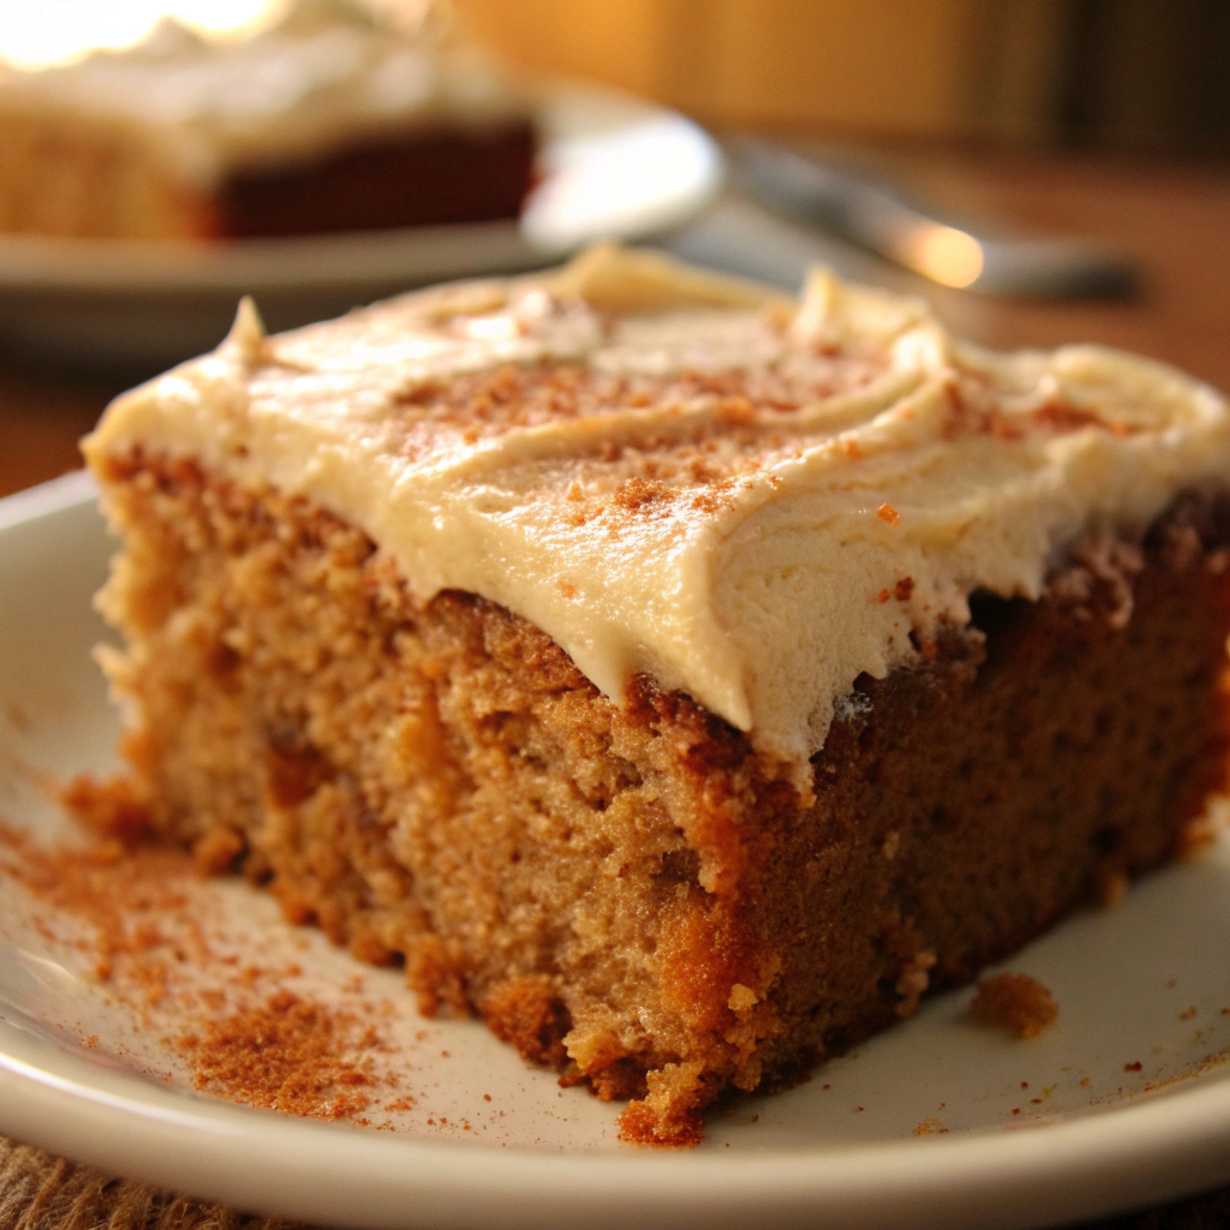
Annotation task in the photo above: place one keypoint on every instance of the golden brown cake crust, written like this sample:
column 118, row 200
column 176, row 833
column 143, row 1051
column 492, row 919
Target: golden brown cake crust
column 634, row 894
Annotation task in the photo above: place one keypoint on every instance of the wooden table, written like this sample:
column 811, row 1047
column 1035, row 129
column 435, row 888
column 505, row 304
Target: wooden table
column 1174, row 219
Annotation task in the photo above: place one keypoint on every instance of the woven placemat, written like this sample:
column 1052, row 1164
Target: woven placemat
column 39, row 1191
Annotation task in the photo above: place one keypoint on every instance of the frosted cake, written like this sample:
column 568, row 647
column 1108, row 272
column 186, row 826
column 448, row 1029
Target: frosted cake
column 682, row 677
column 332, row 119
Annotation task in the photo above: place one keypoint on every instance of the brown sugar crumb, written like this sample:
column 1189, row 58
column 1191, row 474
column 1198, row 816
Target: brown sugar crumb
column 1016, row 1002
column 635, row 494
column 886, row 512
column 1133, row 1067
column 1188, row 1013
column 217, row 850
column 903, row 589
column 670, row 1114
column 931, row 1127
column 110, row 807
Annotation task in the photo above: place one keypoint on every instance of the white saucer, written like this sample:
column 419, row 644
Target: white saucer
column 613, row 167
column 1125, row 1100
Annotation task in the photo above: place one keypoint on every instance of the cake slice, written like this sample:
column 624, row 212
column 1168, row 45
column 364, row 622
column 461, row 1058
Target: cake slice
column 682, row 677
column 332, row 119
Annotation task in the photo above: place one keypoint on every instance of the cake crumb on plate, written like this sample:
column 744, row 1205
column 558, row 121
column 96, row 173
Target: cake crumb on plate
column 1017, row 1002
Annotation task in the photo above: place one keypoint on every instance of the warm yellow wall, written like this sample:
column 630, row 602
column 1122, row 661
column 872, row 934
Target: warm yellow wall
column 865, row 63
column 612, row 40
column 907, row 66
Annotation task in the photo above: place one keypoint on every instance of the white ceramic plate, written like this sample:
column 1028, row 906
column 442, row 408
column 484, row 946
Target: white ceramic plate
column 613, row 166
column 1146, row 984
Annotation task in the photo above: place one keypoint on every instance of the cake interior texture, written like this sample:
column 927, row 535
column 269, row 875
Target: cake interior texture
column 631, row 892
column 682, row 678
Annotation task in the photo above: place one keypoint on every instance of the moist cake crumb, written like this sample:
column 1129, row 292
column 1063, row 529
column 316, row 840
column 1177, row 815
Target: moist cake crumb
column 109, row 806
column 1018, row 1003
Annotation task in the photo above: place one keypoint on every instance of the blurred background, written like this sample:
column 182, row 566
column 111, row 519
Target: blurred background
column 1144, row 74
column 1141, row 73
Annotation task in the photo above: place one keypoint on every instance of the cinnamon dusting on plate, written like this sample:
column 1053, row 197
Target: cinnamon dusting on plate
column 136, row 916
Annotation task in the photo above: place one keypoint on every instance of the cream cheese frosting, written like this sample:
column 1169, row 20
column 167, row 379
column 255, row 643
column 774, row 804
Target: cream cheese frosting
column 327, row 72
column 752, row 499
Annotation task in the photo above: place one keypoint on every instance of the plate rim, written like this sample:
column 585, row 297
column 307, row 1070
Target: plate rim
column 1093, row 1165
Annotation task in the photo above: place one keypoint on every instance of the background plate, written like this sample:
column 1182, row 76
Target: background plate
column 937, row 1123
column 613, row 166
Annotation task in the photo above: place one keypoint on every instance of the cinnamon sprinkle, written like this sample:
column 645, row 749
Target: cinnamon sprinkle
column 137, row 917
column 287, row 1054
